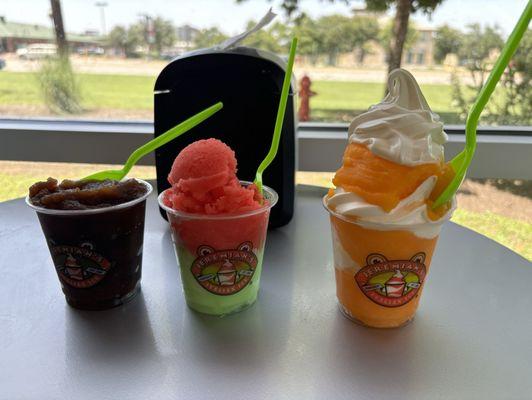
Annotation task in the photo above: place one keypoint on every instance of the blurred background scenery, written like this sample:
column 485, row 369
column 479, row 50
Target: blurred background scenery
column 99, row 60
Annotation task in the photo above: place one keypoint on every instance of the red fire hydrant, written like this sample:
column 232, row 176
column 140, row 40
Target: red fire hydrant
column 305, row 94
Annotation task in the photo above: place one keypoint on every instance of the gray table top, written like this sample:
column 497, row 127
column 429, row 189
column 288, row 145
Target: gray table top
column 471, row 338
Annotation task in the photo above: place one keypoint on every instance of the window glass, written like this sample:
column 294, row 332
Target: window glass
column 117, row 48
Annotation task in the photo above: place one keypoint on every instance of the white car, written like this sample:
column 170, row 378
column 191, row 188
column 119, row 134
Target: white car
column 90, row 51
column 37, row 51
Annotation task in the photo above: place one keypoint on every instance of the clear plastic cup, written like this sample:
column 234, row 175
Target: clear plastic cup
column 220, row 256
column 97, row 253
column 380, row 269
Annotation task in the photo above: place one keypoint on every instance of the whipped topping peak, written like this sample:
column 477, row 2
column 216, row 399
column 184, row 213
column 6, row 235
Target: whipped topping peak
column 404, row 91
column 401, row 128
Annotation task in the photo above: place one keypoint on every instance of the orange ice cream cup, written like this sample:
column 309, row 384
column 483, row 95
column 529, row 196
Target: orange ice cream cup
column 380, row 269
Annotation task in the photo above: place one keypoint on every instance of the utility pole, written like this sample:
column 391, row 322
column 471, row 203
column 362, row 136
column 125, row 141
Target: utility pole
column 60, row 38
column 149, row 31
column 101, row 5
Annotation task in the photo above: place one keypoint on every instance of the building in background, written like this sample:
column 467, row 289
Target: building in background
column 186, row 35
column 420, row 53
column 15, row 35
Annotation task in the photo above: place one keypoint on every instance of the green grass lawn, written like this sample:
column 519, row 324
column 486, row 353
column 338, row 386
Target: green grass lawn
column 336, row 101
column 341, row 101
column 509, row 232
column 123, row 92
column 337, row 95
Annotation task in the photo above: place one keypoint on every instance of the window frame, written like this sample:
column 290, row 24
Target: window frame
column 502, row 152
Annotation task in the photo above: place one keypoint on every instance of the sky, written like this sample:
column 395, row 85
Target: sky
column 231, row 17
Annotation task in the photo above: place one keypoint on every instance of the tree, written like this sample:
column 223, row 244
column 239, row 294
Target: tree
column 363, row 30
column 267, row 39
column 341, row 34
column 511, row 104
column 477, row 46
column 136, row 36
column 60, row 37
column 156, row 33
column 117, row 38
column 385, row 38
column 209, row 37
column 310, row 40
column 290, row 6
column 165, row 34
column 124, row 39
column 446, row 41
column 517, row 105
column 475, row 53
column 59, row 87
column 282, row 34
column 58, row 84
column 334, row 34
column 403, row 9
column 335, row 31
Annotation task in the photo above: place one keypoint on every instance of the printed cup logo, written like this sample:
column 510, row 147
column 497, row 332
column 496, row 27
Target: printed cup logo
column 79, row 267
column 224, row 272
column 391, row 283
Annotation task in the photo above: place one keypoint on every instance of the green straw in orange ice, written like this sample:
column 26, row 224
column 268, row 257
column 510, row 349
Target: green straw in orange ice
column 178, row 130
column 280, row 118
column 461, row 162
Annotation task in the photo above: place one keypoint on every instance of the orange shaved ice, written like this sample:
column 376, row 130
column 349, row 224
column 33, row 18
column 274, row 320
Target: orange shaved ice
column 382, row 182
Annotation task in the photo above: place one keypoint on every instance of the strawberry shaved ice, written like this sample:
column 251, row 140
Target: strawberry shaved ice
column 218, row 226
column 204, row 181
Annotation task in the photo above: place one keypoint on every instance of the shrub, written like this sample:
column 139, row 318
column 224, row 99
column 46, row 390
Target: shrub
column 59, row 86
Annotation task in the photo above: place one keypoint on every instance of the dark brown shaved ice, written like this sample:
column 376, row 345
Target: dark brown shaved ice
column 84, row 195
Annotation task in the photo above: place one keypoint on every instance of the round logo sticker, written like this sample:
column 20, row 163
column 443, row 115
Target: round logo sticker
column 391, row 283
column 224, row 272
column 79, row 267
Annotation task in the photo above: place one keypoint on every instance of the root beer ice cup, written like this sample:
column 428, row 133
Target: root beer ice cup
column 220, row 256
column 96, row 249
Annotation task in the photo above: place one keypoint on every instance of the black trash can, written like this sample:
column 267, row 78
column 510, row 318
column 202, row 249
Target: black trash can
column 248, row 81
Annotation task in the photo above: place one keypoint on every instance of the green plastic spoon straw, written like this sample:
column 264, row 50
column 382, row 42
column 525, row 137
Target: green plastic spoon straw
column 118, row 174
column 280, row 117
column 461, row 162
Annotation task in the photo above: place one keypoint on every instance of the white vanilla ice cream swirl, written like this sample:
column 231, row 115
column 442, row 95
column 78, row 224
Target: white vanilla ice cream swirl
column 402, row 129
